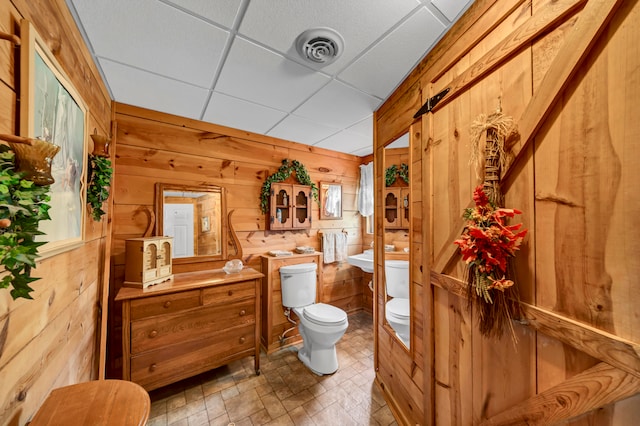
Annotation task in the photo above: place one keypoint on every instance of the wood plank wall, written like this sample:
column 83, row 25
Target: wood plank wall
column 52, row 341
column 577, row 360
column 155, row 147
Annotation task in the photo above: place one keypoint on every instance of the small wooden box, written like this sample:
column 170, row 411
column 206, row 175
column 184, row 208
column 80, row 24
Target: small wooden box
column 147, row 261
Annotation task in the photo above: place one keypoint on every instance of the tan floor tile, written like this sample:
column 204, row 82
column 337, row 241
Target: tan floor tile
column 264, row 389
column 177, row 401
column 243, row 405
column 333, row 415
column 158, row 408
column 180, row 422
column 160, row 420
column 384, row 416
column 199, row 419
column 273, row 405
column 215, row 405
column 297, row 399
column 283, row 420
column 300, row 417
column 261, row 417
column 222, row 420
column 230, row 392
column 185, row 411
column 313, row 406
column 217, row 385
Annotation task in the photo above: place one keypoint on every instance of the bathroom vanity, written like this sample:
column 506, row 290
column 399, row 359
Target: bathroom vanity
column 193, row 323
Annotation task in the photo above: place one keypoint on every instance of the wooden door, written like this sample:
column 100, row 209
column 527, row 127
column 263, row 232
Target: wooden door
column 566, row 72
column 301, row 206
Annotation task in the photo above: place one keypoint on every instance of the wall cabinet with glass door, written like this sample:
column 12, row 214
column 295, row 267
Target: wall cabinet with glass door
column 396, row 208
column 289, row 207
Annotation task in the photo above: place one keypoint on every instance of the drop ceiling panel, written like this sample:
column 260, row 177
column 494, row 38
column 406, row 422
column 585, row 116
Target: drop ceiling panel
column 383, row 67
column 346, row 142
column 451, row 9
column 301, row 130
column 360, row 22
column 221, row 12
column 338, row 105
column 364, row 127
column 241, row 114
column 143, row 89
column 153, row 36
column 233, row 62
column 267, row 78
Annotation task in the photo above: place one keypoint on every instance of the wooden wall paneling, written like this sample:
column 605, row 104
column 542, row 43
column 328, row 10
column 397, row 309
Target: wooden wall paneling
column 591, row 22
column 423, row 155
column 591, row 389
column 548, row 15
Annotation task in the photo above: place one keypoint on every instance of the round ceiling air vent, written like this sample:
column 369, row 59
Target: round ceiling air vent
column 320, row 46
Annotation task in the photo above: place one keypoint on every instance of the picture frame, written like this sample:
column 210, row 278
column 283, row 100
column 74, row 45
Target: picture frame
column 206, row 227
column 330, row 200
column 53, row 110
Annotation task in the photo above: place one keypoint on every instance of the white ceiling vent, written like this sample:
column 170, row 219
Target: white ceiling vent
column 320, row 46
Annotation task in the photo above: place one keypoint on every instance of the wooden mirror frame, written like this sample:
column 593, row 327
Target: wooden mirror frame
column 161, row 187
column 323, row 189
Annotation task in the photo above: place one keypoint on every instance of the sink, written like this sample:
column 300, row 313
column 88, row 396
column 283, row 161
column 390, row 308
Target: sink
column 363, row 260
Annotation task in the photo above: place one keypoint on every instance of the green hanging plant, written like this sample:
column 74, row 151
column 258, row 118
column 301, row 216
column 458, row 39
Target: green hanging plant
column 100, row 172
column 393, row 172
column 403, row 173
column 23, row 204
column 282, row 174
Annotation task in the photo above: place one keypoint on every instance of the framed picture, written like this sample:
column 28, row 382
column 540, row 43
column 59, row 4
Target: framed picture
column 51, row 109
column 330, row 200
column 205, row 224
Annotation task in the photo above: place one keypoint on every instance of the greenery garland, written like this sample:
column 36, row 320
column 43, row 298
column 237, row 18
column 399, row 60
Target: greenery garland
column 101, row 171
column 393, row 172
column 282, row 174
column 23, row 204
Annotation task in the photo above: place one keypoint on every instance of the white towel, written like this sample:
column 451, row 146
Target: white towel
column 329, row 247
column 341, row 247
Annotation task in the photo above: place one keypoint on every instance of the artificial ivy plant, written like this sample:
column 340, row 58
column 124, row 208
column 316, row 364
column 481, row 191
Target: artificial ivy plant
column 23, row 204
column 101, row 171
column 393, row 172
column 282, row 174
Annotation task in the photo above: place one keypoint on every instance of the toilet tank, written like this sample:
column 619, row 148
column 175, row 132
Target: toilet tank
column 397, row 278
column 298, row 283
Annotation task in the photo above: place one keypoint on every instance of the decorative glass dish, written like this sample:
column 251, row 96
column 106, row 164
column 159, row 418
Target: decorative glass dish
column 233, row 266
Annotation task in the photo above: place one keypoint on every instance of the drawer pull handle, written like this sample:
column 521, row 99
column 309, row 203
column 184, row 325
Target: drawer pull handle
column 230, row 293
column 243, row 313
column 241, row 340
column 153, row 367
column 153, row 333
column 167, row 303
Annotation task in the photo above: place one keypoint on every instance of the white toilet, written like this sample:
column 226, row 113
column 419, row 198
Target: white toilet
column 321, row 325
column 397, row 309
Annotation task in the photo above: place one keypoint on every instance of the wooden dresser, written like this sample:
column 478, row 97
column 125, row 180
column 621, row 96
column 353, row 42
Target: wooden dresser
column 274, row 322
column 191, row 324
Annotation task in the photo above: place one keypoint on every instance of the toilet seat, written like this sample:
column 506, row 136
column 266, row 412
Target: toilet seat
column 398, row 308
column 323, row 314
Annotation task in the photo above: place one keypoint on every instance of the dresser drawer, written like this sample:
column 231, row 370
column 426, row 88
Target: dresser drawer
column 158, row 368
column 167, row 304
column 227, row 293
column 157, row 332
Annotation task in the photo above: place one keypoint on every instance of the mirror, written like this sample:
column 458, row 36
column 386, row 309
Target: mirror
column 396, row 219
column 330, row 200
column 196, row 218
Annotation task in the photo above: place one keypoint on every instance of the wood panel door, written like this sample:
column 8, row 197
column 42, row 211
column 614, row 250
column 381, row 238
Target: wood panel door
column 566, row 72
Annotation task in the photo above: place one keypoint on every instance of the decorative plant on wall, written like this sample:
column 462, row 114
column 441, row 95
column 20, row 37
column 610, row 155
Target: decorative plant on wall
column 23, row 204
column 100, row 172
column 393, row 172
column 283, row 173
column 488, row 244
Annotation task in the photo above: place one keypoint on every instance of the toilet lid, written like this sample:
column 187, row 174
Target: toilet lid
column 321, row 313
column 398, row 307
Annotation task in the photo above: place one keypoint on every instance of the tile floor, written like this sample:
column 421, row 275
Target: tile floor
column 285, row 393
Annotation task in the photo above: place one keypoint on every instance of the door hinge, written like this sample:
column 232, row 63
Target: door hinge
column 431, row 103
